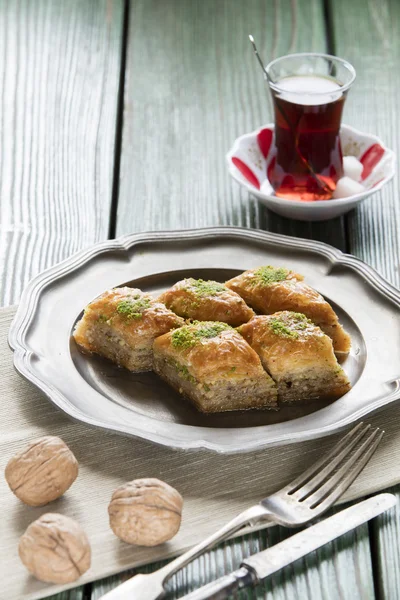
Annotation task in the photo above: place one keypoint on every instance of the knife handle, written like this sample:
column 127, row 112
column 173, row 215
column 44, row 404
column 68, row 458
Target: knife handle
column 225, row 586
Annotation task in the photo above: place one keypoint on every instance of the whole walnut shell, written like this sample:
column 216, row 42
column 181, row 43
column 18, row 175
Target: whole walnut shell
column 55, row 549
column 42, row 471
column 146, row 512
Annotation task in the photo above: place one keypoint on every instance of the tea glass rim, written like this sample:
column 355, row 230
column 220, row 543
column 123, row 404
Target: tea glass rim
column 345, row 63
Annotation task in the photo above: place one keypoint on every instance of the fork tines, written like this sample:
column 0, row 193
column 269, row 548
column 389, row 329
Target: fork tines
column 328, row 478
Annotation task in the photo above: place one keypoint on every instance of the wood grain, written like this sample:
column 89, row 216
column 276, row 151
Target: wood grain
column 59, row 73
column 367, row 33
column 192, row 86
column 76, row 594
column 385, row 535
column 324, row 573
column 339, row 570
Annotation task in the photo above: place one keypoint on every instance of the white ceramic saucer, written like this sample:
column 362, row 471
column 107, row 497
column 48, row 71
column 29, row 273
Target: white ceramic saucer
column 253, row 154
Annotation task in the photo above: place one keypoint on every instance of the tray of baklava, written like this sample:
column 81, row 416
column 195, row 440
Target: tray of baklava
column 222, row 339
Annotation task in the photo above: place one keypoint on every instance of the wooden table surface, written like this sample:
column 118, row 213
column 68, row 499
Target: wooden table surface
column 115, row 117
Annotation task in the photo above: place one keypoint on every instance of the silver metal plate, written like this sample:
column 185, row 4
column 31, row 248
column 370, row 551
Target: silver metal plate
column 92, row 390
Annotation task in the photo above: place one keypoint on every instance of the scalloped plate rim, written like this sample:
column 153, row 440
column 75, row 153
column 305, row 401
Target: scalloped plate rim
column 32, row 292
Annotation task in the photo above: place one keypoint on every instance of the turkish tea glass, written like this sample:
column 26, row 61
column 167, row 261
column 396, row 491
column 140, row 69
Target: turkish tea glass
column 308, row 91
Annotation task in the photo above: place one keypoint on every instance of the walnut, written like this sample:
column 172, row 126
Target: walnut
column 42, row 471
column 55, row 549
column 145, row 512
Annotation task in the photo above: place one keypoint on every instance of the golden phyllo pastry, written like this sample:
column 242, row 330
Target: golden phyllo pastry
column 122, row 324
column 297, row 355
column 206, row 301
column 269, row 289
column 213, row 366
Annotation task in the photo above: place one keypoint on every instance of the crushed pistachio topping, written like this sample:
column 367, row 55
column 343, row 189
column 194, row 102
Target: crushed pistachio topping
column 300, row 319
column 280, row 328
column 289, row 325
column 183, row 338
column 267, row 275
column 102, row 318
column 187, row 306
column 133, row 307
column 189, row 335
column 204, row 288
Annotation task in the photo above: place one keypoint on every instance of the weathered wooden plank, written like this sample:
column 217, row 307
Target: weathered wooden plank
column 384, row 536
column 323, row 574
column 193, row 86
column 59, row 73
column 76, row 594
column 339, row 570
column 368, row 34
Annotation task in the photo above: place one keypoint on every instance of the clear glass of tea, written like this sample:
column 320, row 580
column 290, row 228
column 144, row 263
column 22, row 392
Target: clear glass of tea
column 309, row 91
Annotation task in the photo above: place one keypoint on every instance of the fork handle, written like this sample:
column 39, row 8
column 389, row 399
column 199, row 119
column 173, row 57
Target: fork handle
column 249, row 516
column 157, row 579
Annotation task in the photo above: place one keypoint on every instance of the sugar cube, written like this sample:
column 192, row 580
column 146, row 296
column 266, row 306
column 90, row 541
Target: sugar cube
column 352, row 168
column 346, row 187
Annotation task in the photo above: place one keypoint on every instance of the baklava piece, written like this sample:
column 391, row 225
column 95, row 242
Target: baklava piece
column 206, row 301
column 269, row 289
column 298, row 356
column 214, row 367
column 122, row 324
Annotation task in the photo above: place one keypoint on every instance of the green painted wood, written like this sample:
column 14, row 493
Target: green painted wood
column 339, row 570
column 76, row 594
column 59, row 73
column 368, row 34
column 213, row 106
column 324, row 574
column 385, row 541
column 192, row 86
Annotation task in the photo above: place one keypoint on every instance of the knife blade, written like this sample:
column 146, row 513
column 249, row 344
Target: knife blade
column 259, row 566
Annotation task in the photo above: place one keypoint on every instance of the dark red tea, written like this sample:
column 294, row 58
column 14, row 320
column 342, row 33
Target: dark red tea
column 308, row 112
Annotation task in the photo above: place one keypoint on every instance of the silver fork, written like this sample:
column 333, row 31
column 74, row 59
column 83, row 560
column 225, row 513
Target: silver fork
column 303, row 500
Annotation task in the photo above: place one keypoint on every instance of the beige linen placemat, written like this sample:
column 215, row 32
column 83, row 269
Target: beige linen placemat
column 214, row 487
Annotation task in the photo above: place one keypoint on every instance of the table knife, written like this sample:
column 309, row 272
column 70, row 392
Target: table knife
column 259, row 566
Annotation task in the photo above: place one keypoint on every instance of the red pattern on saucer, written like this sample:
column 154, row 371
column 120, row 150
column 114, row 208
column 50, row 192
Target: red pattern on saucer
column 264, row 139
column 370, row 159
column 255, row 156
column 246, row 172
